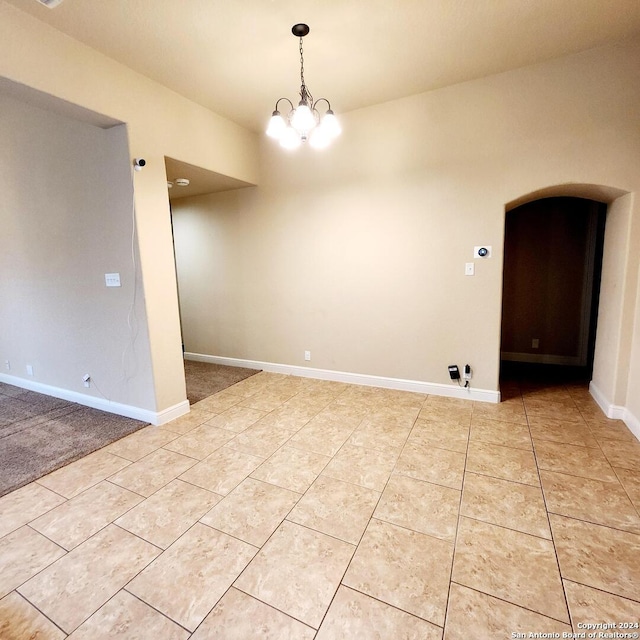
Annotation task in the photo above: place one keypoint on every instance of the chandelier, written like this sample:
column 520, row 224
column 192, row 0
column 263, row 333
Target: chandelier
column 303, row 122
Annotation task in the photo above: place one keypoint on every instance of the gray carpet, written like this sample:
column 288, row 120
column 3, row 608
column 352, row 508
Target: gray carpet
column 205, row 379
column 39, row 433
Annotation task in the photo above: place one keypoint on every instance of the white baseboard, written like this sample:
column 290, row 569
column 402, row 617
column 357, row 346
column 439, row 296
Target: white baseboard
column 129, row 411
column 432, row 388
column 600, row 399
column 166, row 415
column 614, row 411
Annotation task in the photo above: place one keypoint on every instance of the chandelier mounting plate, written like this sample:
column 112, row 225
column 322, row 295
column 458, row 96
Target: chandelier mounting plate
column 300, row 30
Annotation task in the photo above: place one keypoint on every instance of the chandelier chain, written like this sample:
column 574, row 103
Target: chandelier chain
column 305, row 94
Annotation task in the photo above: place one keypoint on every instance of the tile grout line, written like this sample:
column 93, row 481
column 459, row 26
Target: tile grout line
column 636, row 507
column 371, row 517
column 553, row 541
column 133, row 595
column 357, row 546
column 455, row 540
column 266, row 604
column 508, row 602
column 233, row 584
column 162, row 551
column 42, row 613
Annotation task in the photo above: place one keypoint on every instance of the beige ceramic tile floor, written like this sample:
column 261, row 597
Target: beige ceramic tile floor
column 285, row 507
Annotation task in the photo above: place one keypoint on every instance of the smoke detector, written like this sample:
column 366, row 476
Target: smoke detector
column 50, row 4
column 182, row 182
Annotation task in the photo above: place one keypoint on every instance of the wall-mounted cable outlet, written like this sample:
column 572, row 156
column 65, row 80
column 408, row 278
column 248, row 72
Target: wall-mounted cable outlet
column 112, row 279
column 454, row 372
column 86, row 378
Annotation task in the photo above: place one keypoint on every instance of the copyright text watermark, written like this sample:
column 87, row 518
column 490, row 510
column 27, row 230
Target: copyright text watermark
column 594, row 631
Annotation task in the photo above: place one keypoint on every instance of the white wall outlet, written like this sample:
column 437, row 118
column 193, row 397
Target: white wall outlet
column 535, row 343
column 29, row 370
column 87, row 380
column 307, row 355
column 482, row 251
column 469, row 269
column 7, row 365
column 112, row 279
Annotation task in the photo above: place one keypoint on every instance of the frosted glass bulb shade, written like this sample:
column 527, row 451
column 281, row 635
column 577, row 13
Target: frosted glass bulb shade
column 277, row 126
column 303, row 118
column 290, row 138
column 331, row 125
column 319, row 138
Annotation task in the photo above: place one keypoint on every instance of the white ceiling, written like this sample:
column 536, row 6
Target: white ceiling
column 238, row 56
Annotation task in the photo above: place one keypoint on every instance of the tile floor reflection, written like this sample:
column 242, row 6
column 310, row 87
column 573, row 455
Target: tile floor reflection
column 285, row 507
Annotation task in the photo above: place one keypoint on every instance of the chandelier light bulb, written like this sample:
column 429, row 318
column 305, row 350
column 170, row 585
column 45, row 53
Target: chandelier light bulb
column 290, row 138
column 277, row 125
column 303, row 119
column 331, row 125
column 319, row 138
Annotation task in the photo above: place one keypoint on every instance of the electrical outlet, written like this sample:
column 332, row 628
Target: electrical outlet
column 535, row 343
column 7, row 365
column 467, row 372
column 87, row 380
column 112, row 279
column 307, row 355
column 29, row 370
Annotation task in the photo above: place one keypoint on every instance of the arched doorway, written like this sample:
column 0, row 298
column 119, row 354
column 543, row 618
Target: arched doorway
column 551, row 282
column 612, row 338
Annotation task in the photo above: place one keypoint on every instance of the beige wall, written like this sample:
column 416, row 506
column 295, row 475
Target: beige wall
column 611, row 357
column 633, row 396
column 66, row 220
column 159, row 123
column 357, row 253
